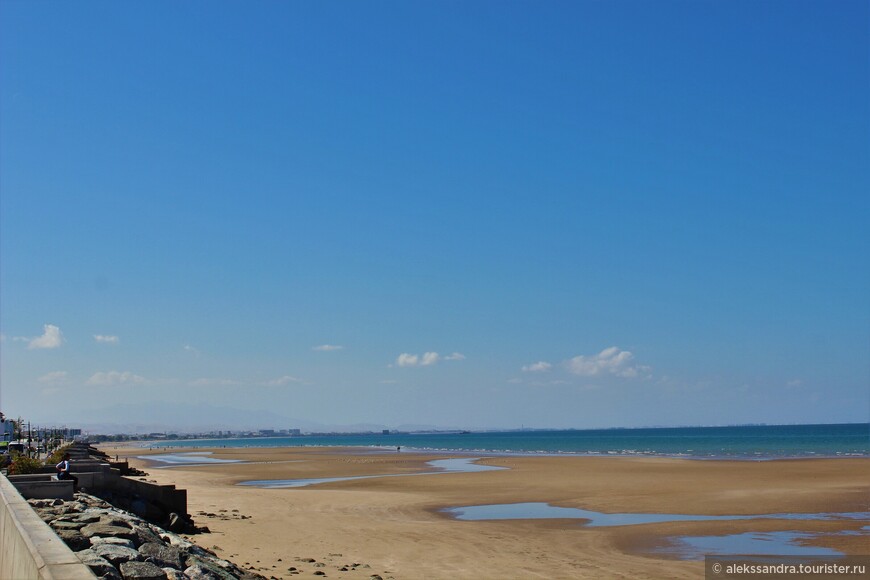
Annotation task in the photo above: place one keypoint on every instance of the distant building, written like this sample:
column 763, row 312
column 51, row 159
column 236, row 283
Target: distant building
column 73, row 432
column 7, row 430
column 385, row 432
column 267, row 432
column 294, row 432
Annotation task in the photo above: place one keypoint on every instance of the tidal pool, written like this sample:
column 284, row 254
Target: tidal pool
column 459, row 465
column 188, row 458
column 539, row 511
column 750, row 543
column 786, row 543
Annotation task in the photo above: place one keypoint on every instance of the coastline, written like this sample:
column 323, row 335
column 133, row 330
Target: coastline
column 756, row 443
column 396, row 525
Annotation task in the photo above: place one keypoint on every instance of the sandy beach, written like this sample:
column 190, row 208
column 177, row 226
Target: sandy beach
column 394, row 526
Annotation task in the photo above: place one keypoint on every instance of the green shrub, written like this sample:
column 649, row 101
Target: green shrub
column 22, row 464
column 57, row 455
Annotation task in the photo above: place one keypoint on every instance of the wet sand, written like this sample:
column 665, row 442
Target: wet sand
column 393, row 527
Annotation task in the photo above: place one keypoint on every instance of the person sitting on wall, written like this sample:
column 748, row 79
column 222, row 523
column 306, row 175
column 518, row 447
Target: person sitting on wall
column 63, row 471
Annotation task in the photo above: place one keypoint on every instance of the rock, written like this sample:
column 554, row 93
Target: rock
column 180, row 523
column 74, row 539
column 144, row 535
column 87, row 518
column 199, row 573
column 106, row 530
column 160, row 554
column 210, row 567
column 116, row 554
column 116, row 541
column 47, row 513
column 116, row 519
column 63, row 525
column 99, row 566
column 173, row 574
column 111, row 576
column 78, row 506
column 176, row 523
column 141, row 571
column 57, row 502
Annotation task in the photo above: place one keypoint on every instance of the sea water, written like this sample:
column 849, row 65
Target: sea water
column 739, row 442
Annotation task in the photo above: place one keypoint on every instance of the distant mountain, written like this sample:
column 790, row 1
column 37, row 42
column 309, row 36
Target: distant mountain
column 186, row 418
column 407, row 427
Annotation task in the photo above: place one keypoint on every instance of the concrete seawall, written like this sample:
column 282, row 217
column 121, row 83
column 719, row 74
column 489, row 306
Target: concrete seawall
column 29, row 549
column 146, row 499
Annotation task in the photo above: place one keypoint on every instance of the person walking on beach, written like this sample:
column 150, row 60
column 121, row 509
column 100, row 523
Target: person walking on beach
column 63, row 471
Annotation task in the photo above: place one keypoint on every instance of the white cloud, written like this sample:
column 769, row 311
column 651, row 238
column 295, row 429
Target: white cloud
column 610, row 361
column 191, row 349
column 53, row 377
column 281, row 381
column 407, row 360
column 107, row 338
column 112, row 378
column 538, row 367
column 427, row 359
column 327, row 347
column 51, row 338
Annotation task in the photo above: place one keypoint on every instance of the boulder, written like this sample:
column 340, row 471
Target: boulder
column 145, row 535
column 63, row 525
column 116, row 519
column 40, row 503
column 115, row 554
column 74, row 539
column 116, row 541
column 177, row 523
column 98, row 565
column 141, row 571
column 210, row 567
column 111, row 576
column 106, row 530
column 199, row 573
column 87, row 518
column 160, row 554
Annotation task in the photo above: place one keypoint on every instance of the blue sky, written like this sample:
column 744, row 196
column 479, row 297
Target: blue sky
column 589, row 214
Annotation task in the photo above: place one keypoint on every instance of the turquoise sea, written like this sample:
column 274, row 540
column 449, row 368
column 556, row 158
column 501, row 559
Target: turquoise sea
column 740, row 442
